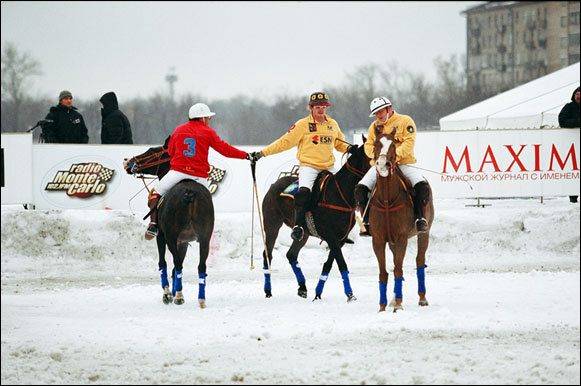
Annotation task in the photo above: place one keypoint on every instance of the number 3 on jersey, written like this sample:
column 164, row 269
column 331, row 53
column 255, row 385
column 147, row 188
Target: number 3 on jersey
column 191, row 150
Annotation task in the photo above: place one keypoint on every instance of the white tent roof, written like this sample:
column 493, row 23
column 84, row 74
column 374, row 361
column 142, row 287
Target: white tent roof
column 535, row 104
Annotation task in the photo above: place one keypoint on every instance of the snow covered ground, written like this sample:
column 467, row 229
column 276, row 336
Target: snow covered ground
column 81, row 304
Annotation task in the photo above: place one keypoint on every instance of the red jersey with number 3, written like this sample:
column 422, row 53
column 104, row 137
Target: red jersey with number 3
column 188, row 148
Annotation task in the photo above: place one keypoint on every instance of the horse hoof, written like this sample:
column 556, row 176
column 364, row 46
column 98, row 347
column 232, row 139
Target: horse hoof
column 423, row 303
column 268, row 293
column 202, row 303
column 351, row 298
column 179, row 301
column 167, row 299
column 397, row 308
column 382, row 307
column 317, row 297
column 302, row 293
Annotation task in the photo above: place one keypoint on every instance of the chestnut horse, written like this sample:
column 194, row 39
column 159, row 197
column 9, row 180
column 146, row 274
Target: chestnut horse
column 186, row 213
column 391, row 220
column 332, row 215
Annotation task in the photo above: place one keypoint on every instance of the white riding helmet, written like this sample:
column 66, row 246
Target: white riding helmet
column 200, row 110
column 378, row 104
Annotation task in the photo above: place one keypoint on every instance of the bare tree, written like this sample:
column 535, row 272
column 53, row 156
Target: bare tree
column 16, row 69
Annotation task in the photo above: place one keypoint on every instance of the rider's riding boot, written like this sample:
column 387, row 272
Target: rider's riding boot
column 361, row 193
column 152, row 201
column 301, row 199
column 421, row 199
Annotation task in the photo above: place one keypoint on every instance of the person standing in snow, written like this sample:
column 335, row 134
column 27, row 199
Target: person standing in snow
column 188, row 148
column 386, row 121
column 315, row 137
column 569, row 117
column 115, row 127
column 66, row 124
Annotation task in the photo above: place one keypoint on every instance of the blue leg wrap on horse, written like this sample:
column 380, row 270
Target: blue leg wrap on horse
column 267, row 286
column 397, row 288
column 321, row 283
column 421, row 278
column 164, row 281
column 298, row 272
column 382, row 292
column 176, row 283
column 346, row 284
column 202, row 286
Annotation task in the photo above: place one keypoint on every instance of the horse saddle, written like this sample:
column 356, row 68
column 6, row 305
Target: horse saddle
column 407, row 185
column 316, row 191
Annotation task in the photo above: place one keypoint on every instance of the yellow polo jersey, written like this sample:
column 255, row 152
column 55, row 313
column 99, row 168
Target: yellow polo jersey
column 315, row 141
column 405, row 131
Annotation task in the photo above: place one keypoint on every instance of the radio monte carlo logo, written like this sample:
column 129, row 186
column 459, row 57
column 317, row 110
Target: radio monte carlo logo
column 81, row 180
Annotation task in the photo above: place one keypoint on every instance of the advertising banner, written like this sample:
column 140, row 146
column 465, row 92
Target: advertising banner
column 458, row 164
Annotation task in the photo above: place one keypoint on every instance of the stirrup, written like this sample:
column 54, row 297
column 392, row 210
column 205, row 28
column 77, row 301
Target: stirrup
column 151, row 231
column 421, row 225
column 297, row 233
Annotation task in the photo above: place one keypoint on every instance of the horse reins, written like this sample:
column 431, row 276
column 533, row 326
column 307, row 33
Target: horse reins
column 348, row 208
column 385, row 206
column 154, row 159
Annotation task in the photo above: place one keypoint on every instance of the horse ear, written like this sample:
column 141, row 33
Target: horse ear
column 363, row 138
column 393, row 132
column 166, row 141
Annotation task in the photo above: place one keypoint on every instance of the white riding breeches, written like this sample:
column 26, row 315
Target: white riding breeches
column 413, row 174
column 308, row 175
column 173, row 177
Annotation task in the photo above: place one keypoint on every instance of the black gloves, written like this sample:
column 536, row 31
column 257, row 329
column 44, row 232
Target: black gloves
column 254, row 156
column 352, row 149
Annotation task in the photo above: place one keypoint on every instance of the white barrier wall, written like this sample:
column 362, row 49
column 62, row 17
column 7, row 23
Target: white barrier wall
column 500, row 163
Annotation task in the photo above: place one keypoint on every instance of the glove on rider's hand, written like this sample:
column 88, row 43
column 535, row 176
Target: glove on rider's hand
column 257, row 155
column 352, row 149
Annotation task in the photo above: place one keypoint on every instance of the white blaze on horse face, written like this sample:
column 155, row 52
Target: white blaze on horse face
column 381, row 162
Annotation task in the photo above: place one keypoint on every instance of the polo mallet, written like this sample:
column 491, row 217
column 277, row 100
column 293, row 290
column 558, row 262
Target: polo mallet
column 359, row 222
column 269, row 270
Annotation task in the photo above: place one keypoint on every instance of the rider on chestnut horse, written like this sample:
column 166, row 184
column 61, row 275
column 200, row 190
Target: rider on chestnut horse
column 405, row 135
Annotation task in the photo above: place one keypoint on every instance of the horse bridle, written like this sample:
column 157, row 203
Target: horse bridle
column 384, row 205
column 154, row 159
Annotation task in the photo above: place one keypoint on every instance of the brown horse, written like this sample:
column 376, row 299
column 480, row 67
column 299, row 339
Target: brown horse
column 186, row 213
column 332, row 216
column 391, row 220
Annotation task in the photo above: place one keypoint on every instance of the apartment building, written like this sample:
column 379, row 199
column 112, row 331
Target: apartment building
column 513, row 42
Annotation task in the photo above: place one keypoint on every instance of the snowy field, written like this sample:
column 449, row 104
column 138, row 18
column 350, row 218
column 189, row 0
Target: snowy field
column 81, row 304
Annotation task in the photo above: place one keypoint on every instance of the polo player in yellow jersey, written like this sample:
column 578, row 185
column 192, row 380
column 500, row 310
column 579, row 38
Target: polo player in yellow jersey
column 316, row 136
column 388, row 119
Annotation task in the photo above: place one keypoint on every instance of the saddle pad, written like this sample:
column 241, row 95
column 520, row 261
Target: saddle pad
column 291, row 190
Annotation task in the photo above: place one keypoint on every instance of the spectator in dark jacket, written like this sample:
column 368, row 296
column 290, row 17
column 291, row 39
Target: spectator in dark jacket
column 569, row 118
column 569, row 115
column 67, row 124
column 115, row 127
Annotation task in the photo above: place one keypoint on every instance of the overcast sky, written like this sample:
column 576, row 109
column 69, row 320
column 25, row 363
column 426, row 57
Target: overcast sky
column 222, row 49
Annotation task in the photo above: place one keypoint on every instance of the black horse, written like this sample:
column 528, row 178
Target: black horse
column 333, row 211
column 186, row 213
